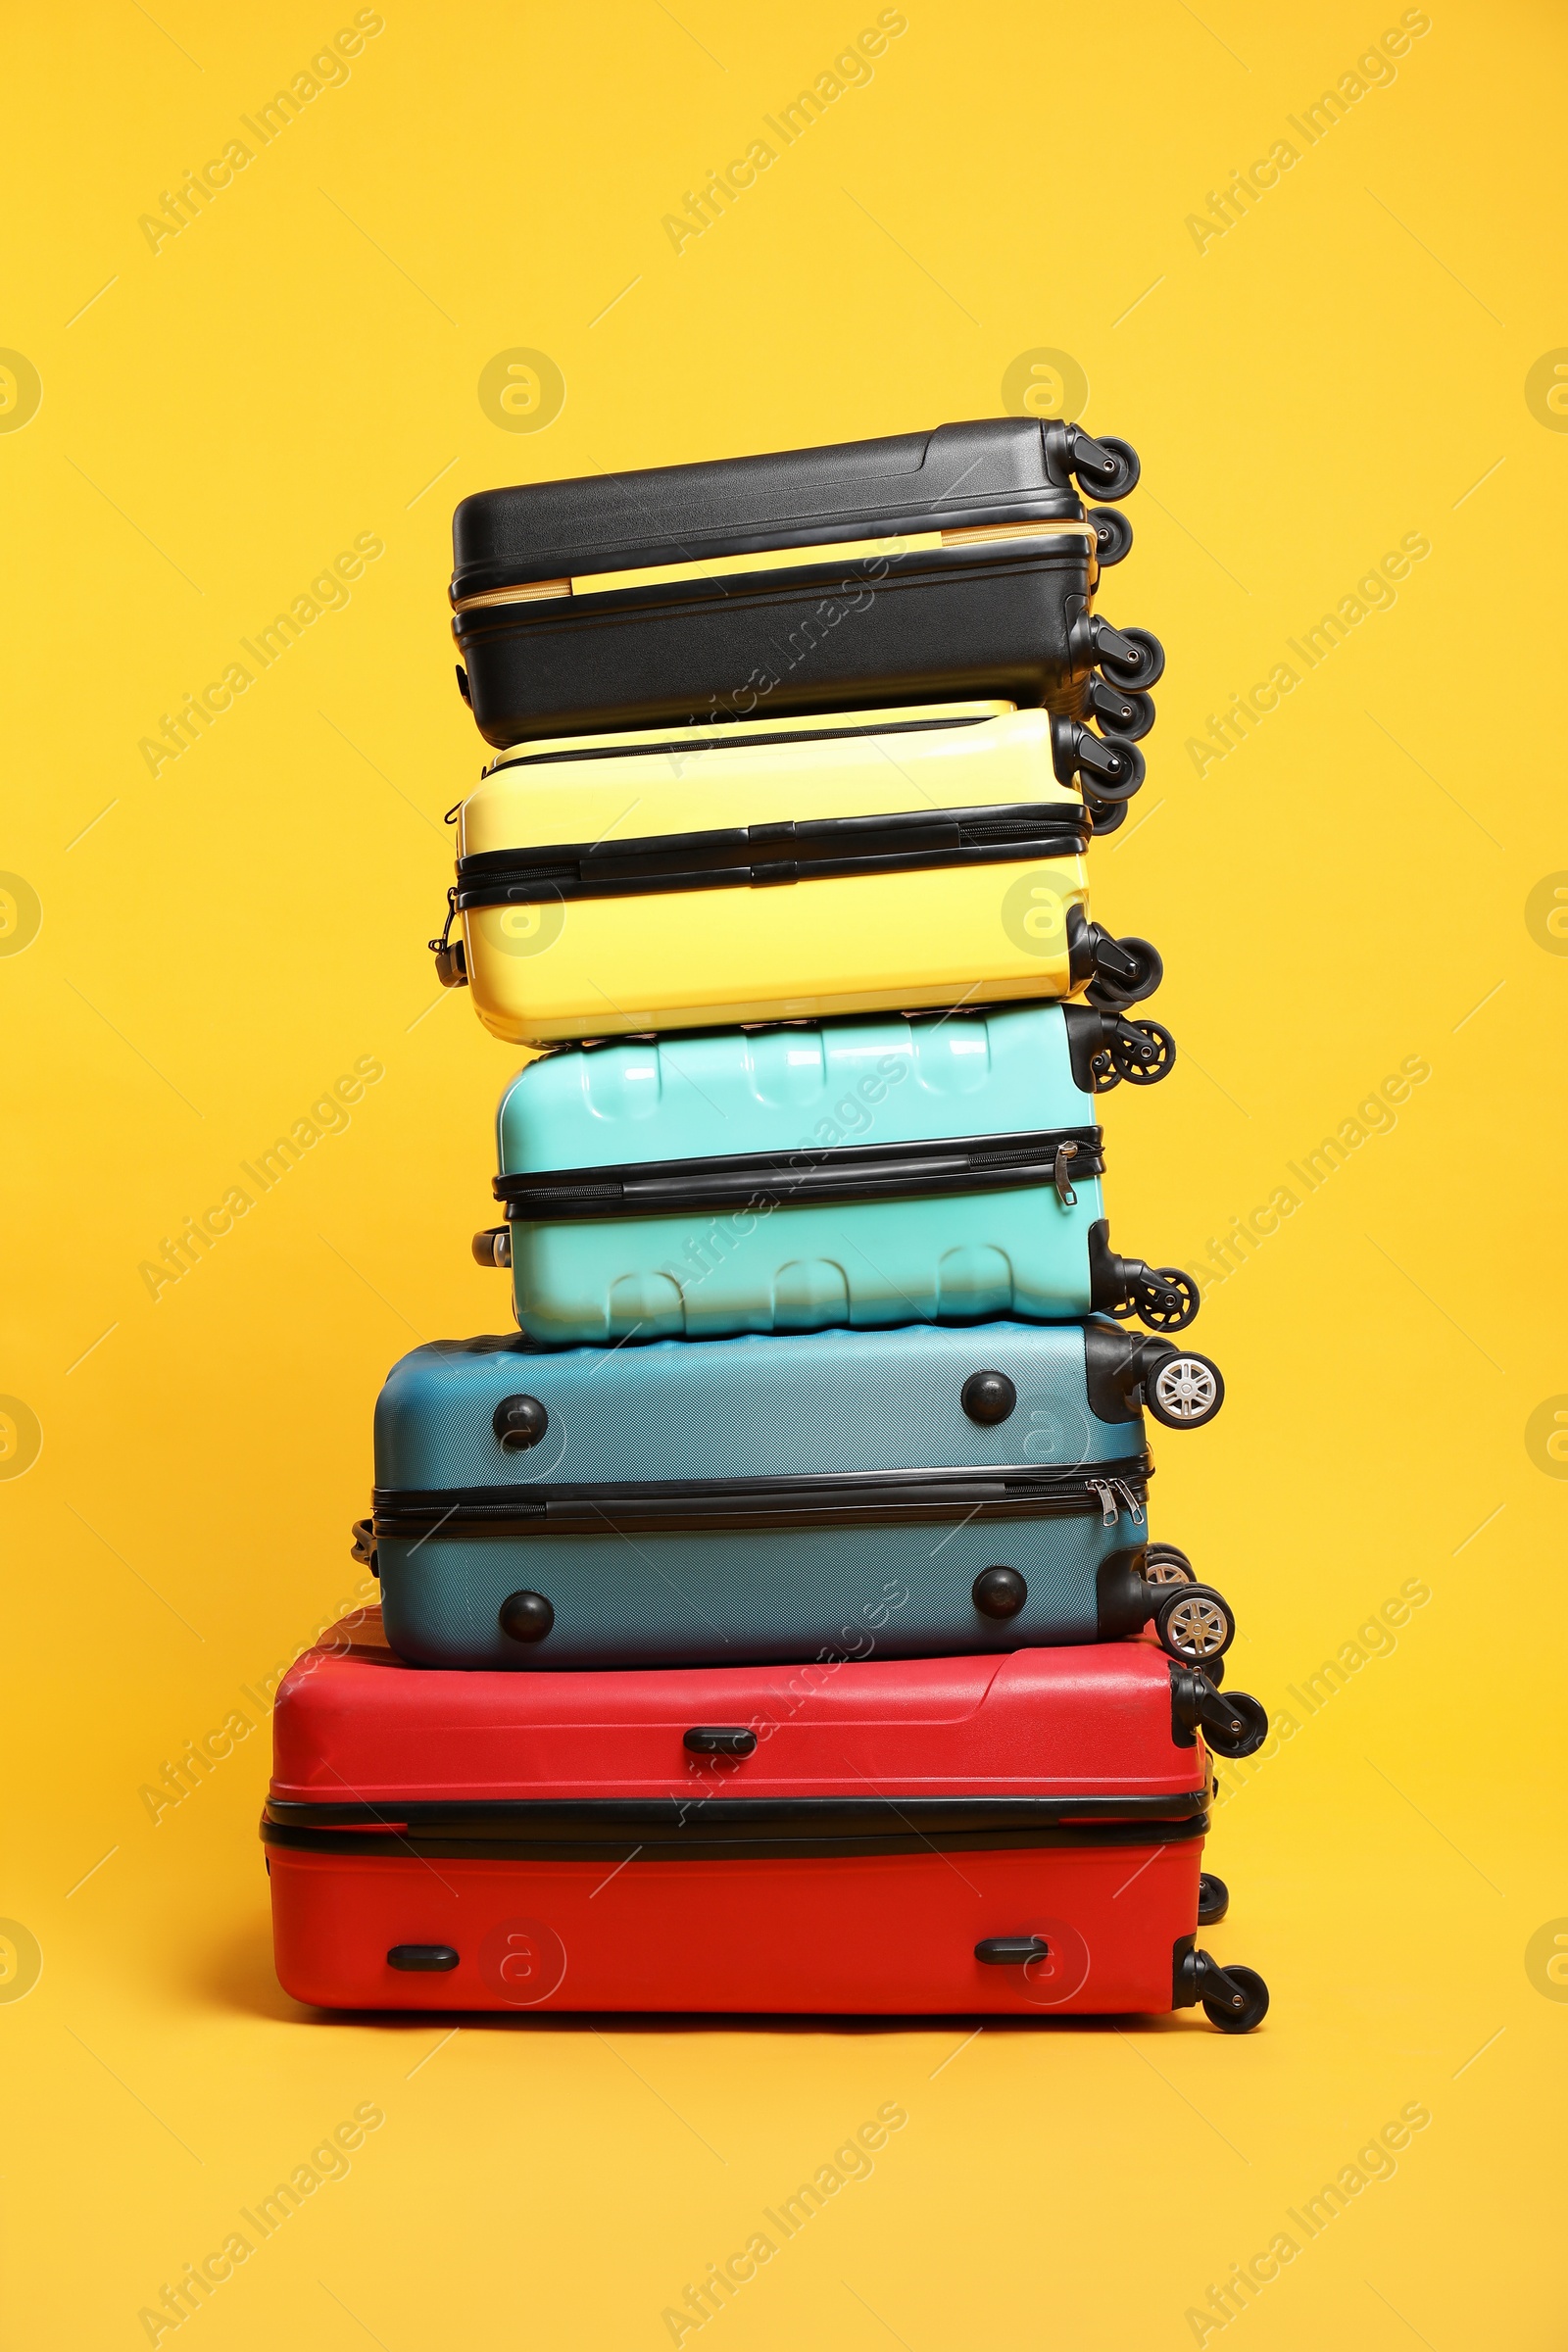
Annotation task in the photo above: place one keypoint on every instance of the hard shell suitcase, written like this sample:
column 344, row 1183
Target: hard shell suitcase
column 868, row 1173
column 611, row 885
column 704, row 1501
column 955, row 562
column 1017, row 1834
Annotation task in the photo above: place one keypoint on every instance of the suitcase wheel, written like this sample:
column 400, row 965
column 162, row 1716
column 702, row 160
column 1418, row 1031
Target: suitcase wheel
column 1105, row 467
column 1134, row 659
column 1113, row 534
column 1121, row 711
column 1236, row 2000
column 1142, row 1051
column 1195, row 1624
column 1165, row 1564
column 1125, row 971
column 1109, row 766
column 1186, row 1391
column 1213, row 1899
column 1235, row 1725
column 1168, row 1303
column 1105, row 816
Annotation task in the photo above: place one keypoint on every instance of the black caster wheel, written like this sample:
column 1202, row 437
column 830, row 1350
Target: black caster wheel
column 1111, row 473
column 1186, row 1391
column 1195, row 1624
column 1170, row 1307
column 1120, row 710
column 1115, row 767
column 1110, row 766
column 1145, row 671
column 1113, row 994
column 1213, row 1899
column 1143, row 1053
column 1235, row 1724
column 1236, row 2001
column 1166, row 1564
column 1113, row 534
column 1105, row 816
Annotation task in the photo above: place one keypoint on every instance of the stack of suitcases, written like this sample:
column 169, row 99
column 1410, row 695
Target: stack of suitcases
column 772, row 1623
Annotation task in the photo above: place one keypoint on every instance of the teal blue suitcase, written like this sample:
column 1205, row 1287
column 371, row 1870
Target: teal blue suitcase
column 865, row 1174
column 924, row 1492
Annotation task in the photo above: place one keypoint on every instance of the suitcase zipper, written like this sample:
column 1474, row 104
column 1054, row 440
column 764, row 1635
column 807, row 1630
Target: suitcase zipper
column 846, row 1498
column 733, row 738
column 776, row 558
column 680, row 1828
column 754, row 856
column 850, row 1172
column 1108, row 1491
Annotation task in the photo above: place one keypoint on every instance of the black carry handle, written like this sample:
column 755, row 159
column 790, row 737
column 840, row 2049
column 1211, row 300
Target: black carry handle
column 363, row 1549
column 721, row 1739
column 1011, row 1951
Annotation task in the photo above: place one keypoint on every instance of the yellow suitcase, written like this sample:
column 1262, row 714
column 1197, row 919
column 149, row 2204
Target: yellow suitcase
column 883, row 861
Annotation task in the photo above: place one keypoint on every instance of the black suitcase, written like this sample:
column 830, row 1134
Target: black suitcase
column 929, row 568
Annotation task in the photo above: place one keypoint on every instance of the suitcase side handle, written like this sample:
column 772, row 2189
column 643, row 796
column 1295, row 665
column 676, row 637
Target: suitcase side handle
column 1011, row 1951
column 720, row 1739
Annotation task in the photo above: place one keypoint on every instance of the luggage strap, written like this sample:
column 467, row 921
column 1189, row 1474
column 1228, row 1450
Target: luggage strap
column 758, row 857
column 842, row 1498
column 1057, row 1156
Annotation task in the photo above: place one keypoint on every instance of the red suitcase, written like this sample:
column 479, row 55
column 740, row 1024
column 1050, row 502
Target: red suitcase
column 989, row 1834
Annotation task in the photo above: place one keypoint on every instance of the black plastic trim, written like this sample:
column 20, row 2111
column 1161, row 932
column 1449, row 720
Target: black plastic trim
column 670, row 1829
column 846, row 1498
column 763, row 856
column 921, row 1171
column 1111, row 1372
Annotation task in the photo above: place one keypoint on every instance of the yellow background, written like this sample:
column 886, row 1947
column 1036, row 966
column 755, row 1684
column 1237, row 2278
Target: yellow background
column 219, row 942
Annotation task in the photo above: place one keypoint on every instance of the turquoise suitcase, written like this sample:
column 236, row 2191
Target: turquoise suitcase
column 858, row 1173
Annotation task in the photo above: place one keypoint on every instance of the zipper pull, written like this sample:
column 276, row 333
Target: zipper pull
column 1134, row 1508
column 1107, row 1500
column 451, row 963
column 1061, row 1177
